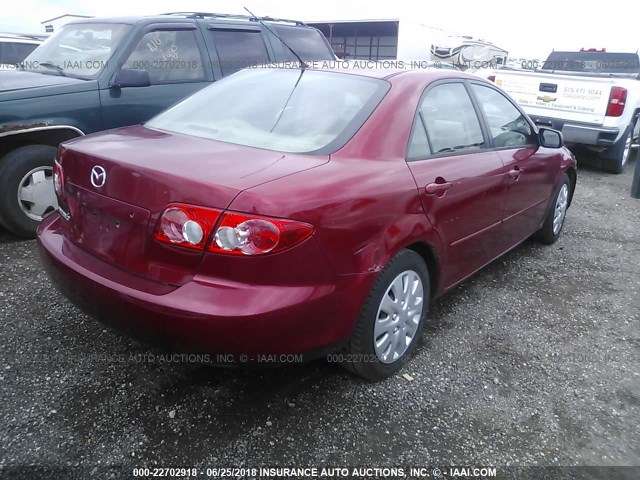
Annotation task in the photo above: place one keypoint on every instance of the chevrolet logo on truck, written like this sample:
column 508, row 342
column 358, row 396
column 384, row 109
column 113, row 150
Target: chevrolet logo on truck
column 547, row 98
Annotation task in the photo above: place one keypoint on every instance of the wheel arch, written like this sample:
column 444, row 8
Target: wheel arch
column 573, row 179
column 431, row 258
column 52, row 135
column 635, row 122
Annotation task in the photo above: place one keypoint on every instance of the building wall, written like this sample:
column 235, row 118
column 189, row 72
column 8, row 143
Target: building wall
column 372, row 40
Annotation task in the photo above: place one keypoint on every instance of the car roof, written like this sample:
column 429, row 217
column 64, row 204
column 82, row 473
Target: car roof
column 168, row 17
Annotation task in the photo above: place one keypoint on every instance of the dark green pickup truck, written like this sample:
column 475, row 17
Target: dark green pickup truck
column 97, row 74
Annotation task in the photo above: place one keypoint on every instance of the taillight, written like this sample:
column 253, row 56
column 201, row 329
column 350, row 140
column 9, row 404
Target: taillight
column 186, row 225
column 617, row 99
column 237, row 233
column 243, row 234
column 58, row 179
column 491, row 78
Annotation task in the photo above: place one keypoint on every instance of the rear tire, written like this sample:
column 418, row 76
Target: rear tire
column 552, row 226
column 391, row 320
column 616, row 158
column 26, row 188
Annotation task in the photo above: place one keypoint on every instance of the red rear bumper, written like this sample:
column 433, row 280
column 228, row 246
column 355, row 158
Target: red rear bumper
column 206, row 314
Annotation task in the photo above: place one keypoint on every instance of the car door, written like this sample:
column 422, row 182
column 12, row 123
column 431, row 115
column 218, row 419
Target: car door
column 530, row 168
column 460, row 180
column 174, row 57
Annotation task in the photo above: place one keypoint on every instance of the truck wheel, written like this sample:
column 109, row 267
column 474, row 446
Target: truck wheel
column 615, row 159
column 26, row 188
column 391, row 319
column 635, row 140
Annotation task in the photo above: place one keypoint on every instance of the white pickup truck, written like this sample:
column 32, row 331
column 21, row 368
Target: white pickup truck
column 591, row 96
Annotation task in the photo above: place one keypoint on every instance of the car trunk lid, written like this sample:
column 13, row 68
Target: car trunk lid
column 119, row 182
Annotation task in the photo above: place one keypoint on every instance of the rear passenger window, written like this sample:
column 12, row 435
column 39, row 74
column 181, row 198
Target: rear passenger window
column 238, row 49
column 169, row 56
column 451, row 121
column 307, row 42
column 507, row 125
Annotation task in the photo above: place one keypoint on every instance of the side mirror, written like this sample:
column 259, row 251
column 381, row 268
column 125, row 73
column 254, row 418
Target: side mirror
column 550, row 138
column 129, row 77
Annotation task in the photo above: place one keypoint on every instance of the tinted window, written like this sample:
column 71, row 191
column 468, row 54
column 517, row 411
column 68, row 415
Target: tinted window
column 238, row 49
column 287, row 110
column 507, row 125
column 12, row 53
column 22, row 50
column 168, row 56
column 451, row 121
column 307, row 42
column 7, row 54
column 602, row 62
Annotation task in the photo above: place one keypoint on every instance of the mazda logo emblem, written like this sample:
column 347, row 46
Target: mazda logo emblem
column 98, row 176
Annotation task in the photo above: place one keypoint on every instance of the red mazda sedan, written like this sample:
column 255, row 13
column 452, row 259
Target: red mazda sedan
column 284, row 211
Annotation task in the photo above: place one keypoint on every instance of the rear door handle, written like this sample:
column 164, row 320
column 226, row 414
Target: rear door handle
column 434, row 188
column 515, row 172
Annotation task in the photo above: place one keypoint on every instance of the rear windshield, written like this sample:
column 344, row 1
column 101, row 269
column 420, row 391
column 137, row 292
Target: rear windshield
column 286, row 110
column 596, row 62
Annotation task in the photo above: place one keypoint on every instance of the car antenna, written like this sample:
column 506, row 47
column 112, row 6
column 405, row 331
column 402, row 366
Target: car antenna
column 303, row 64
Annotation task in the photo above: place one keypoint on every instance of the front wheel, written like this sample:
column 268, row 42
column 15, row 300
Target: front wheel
column 26, row 188
column 552, row 226
column 391, row 319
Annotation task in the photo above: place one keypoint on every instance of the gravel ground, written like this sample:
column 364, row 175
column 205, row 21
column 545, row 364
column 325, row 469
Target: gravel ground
column 534, row 361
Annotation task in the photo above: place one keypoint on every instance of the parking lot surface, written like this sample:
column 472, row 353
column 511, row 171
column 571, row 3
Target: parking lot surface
column 534, row 361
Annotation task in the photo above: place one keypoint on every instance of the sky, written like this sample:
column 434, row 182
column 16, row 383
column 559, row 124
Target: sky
column 526, row 29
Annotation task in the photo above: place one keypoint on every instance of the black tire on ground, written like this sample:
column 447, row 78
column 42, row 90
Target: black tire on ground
column 13, row 168
column 545, row 234
column 359, row 355
column 617, row 157
column 635, row 141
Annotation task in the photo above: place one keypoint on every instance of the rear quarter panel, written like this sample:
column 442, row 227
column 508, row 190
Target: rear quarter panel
column 364, row 203
column 363, row 212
